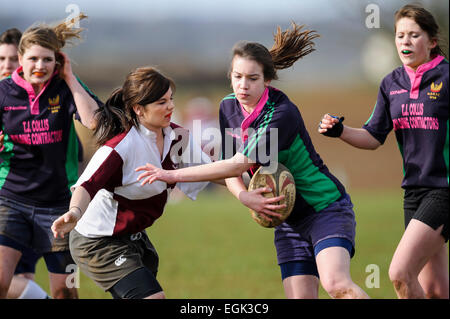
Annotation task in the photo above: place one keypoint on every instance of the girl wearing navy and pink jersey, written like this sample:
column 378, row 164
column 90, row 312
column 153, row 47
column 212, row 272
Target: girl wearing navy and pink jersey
column 413, row 101
column 109, row 211
column 22, row 285
column 260, row 125
column 39, row 152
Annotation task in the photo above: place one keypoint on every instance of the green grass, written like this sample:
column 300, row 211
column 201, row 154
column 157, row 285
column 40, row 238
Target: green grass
column 211, row 248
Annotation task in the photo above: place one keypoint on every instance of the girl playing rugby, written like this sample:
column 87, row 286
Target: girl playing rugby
column 109, row 210
column 39, row 151
column 260, row 125
column 413, row 100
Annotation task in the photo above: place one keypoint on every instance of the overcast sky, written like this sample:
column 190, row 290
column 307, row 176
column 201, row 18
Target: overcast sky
column 347, row 15
column 250, row 11
column 205, row 9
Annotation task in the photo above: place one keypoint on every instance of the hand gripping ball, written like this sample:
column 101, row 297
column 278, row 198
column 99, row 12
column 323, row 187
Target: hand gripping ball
column 282, row 183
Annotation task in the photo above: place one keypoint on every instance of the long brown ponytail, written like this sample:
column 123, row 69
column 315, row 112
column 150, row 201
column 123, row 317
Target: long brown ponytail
column 289, row 46
column 111, row 118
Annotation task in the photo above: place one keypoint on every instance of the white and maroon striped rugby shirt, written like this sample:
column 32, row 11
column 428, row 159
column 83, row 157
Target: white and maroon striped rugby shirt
column 120, row 205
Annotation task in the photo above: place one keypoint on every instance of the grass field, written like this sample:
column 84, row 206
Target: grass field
column 211, row 248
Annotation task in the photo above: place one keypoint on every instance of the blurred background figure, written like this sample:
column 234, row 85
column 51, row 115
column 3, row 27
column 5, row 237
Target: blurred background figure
column 9, row 61
column 200, row 117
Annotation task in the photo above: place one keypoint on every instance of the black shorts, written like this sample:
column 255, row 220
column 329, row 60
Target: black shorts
column 429, row 205
column 140, row 284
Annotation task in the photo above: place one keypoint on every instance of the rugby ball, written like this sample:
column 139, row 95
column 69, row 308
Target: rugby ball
column 282, row 183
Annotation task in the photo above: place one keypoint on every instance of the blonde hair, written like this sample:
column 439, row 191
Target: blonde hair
column 51, row 37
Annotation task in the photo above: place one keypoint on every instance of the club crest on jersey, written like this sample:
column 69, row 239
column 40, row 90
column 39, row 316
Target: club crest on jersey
column 436, row 87
column 434, row 91
column 54, row 104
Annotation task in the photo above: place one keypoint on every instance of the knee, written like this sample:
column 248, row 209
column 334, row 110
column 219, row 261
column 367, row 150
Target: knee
column 399, row 276
column 65, row 293
column 337, row 288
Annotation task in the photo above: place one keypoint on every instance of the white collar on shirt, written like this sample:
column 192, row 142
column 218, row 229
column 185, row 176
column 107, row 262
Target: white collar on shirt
column 169, row 136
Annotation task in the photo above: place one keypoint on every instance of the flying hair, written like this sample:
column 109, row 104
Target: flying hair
column 291, row 45
column 66, row 30
column 51, row 37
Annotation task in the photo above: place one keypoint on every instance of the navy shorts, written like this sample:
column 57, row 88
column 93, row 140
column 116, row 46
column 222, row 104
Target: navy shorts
column 300, row 243
column 24, row 227
column 27, row 263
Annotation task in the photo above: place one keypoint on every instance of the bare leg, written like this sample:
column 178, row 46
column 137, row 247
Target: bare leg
column 301, row 287
column 17, row 286
column 59, row 289
column 333, row 264
column 418, row 245
column 434, row 276
column 9, row 257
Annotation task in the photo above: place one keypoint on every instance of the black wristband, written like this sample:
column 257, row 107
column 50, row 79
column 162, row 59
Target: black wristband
column 337, row 129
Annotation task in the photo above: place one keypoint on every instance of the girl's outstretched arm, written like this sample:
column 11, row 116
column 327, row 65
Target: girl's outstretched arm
column 357, row 137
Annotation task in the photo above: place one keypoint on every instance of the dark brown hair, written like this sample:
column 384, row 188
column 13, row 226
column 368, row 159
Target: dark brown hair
column 142, row 86
column 426, row 22
column 11, row 36
column 289, row 46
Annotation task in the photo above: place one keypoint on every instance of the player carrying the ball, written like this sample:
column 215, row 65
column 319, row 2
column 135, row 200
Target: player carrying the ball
column 260, row 125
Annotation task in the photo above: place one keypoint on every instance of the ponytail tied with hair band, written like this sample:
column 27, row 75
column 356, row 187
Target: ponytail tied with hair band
column 111, row 118
column 116, row 99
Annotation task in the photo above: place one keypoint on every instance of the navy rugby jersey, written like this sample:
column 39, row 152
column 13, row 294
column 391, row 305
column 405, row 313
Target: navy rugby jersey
column 275, row 131
column 39, row 160
column 415, row 105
